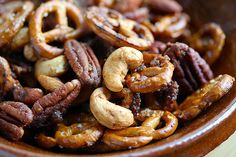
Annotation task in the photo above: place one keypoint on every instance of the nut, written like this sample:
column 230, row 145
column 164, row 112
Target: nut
column 51, row 67
column 29, row 53
column 120, row 5
column 13, row 117
column 204, row 97
column 164, row 6
column 117, row 66
column 20, row 39
column 49, row 83
column 191, row 71
column 54, row 103
column 107, row 113
column 83, row 62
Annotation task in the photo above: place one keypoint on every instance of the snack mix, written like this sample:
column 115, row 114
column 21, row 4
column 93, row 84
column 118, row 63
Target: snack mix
column 103, row 75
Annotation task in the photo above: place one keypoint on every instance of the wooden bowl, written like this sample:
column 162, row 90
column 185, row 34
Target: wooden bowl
column 209, row 129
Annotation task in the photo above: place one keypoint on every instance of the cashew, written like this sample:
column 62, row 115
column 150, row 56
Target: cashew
column 117, row 66
column 51, row 67
column 29, row 53
column 20, row 39
column 49, row 83
column 109, row 114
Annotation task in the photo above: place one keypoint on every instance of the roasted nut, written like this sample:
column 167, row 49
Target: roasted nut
column 62, row 31
column 116, row 29
column 134, row 137
column 12, row 19
column 49, row 83
column 26, row 95
column 83, row 62
column 29, row 53
column 13, row 117
column 164, row 6
column 168, row 26
column 51, row 67
column 8, row 83
column 117, row 65
column 20, row 39
column 107, row 113
column 54, row 103
column 208, row 41
column 120, row 5
column 151, row 79
column 83, row 133
column 204, row 97
column 191, row 71
column 157, row 47
column 138, row 15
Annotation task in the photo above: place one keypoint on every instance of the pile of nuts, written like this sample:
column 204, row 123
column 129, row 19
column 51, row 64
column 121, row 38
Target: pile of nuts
column 103, row 75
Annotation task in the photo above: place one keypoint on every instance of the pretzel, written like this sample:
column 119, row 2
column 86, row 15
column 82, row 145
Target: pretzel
column 12, row 19
column 61, row 32
column 81, row 134
column 209, row 41
column 116, row 29
column 153, row 78
column 134, row 137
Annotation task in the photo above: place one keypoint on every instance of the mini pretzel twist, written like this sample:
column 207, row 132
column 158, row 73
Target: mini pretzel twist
column 153, row 78
column 209, row 41
column 116, row 29
column 134, row 137
column 81, row 134
column 12, row 19
column 61, row 32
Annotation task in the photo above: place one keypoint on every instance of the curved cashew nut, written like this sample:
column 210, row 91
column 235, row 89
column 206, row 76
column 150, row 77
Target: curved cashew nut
column 51, row 67
column 107, row 113
column 49, row 83
column 117, row 65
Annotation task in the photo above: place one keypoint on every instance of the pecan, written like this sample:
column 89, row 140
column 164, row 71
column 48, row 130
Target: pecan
column 158, row 47
column 164, row 6
column 138, row 15
column 83, row 62
column 13, row 117
column 54, row 104
column 191, row 71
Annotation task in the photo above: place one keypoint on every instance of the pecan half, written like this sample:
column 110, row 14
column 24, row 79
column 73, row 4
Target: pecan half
column 13, row 117
column 83, row 62
column 164, row 6
column 52, row 105
column 191, row 71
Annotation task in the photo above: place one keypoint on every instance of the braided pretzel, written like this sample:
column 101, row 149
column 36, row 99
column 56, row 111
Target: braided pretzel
column 61, row 32
column 134, row 137
column 12, row 18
